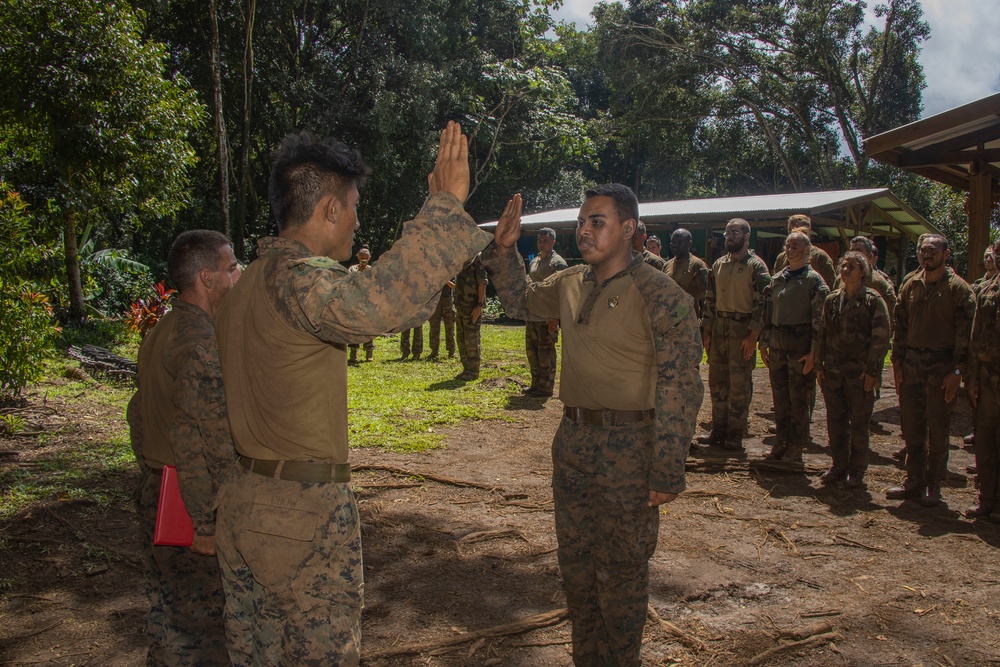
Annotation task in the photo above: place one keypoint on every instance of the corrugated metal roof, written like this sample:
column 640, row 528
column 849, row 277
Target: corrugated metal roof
column 767, row 210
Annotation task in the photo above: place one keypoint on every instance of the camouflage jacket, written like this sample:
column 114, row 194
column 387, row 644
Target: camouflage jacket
column 467, row 285
column 691, row 273
column 936, row 318
column 657, row 263
column 608, row 332
column 985, row 339
column 820, row 262
column 748, row 273
column 199, row 436
column 853, row 333
column 877, row 281
column 793, row 300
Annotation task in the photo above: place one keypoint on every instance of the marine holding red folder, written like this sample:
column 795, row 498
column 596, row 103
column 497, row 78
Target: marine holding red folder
column 180, row 435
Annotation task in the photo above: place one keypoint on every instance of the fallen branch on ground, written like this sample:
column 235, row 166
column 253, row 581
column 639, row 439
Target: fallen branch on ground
column 821, row 614
column 484, row 535
column 685, row 638
column 423, row 475
column 521, row 626
column 847, row 540
column 806, row 632
column 816, row 640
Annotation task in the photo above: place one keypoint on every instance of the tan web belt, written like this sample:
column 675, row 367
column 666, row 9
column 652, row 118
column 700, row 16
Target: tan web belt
column 299, row 471
column 608, row 417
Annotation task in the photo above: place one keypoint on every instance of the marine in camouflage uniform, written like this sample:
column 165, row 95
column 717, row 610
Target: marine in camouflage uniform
column 289, row 533
column 632, row 391
column 983, row 384
column 470, row 297
column 929, row 355
column 639, row 248
column 417, row 348
column 364, row 257
column 688, row 271
column 540, row 338
column 792, row 319
column 178, row 418
column 443, row 312
column 731, row 325
column 850, row 350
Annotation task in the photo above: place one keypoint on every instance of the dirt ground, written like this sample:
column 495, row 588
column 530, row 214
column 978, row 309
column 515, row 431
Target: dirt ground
column 456, row 566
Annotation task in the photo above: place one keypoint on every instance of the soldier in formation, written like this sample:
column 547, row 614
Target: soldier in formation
column 364, row 261
column 443, row 312
column 540, row 338
column 688, row 271
column 470, row 299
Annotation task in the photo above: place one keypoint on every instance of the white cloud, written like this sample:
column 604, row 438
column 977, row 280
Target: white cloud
column 961, row 59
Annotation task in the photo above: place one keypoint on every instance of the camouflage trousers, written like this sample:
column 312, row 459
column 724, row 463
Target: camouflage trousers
column 445, row 312
column 848, row 416
column 369, row 349
column 291, row 562
column 730, row 378
column 790, row 390
column 606, row 534
column 467, row 335
column 987, row 445
column 926, row 417
column 418, row 342
column 185, row 625
column 540, row 346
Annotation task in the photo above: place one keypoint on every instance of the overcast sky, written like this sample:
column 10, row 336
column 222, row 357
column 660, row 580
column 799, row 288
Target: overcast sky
column 961, row 59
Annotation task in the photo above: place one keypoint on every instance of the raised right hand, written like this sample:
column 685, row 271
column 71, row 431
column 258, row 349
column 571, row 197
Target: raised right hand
column 451, row 172
column 508, row 229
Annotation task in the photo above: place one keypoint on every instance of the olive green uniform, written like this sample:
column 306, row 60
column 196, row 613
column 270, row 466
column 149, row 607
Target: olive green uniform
column 691, row 273
column 819, row 261
column 444, row 312
column 289, row 536
column 539, row 344
column 984, row 365
column 467, row 285
column 632, row 391
column 657, row 263
column 369, row 345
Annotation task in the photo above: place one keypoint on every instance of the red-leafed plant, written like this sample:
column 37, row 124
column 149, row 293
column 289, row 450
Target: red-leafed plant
column 146, row 313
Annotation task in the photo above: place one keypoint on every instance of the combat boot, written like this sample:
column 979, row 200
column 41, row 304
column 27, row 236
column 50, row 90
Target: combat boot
column 908, row 491
column 793, row 454
column 777, row 451
column 833, row 475
column 713, row 439
column 931, row 495
column 855, row 480
column 353, row 359
column 369, row 355
column 980, row 510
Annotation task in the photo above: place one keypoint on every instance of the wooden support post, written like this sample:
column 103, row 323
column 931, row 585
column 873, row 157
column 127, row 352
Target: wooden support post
column 980, row 200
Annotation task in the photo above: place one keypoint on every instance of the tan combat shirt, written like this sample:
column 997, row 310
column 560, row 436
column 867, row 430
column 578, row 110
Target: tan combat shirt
column 540, row 269
column 934, row 317
column 691, row 273
column 631, row 343
column 737, row 286
column 284, row 328
column 178, row 417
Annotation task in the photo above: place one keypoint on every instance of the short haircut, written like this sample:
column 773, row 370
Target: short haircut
column 865, row 241
column 654, row 238
column 640, row 227
column 934, row 238
column 306, row 168
column 190, row 253
column 802, row 236
column 857, row 258
column 800, row 220
column 744, row 225
column 626, row 204
column 547, row 231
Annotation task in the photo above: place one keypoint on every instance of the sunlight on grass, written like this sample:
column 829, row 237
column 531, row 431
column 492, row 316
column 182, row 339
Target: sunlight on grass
column 402, row 406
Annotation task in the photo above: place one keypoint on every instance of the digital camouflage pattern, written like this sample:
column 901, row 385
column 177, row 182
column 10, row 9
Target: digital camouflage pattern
column 368, row 345
column 930, row 340
column 444, row 312
column 602, row 476
column 691, row 273
column 291, row 551
column 984, row 365
column 416, row 334
column 467, row 293
column 657, row 263
column 730, row 376
column 185, row 589
column 819, row 261
column 539, row 344
column 852, row 340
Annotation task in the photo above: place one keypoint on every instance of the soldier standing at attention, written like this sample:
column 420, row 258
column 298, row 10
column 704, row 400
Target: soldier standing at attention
column 178, row 418
column 631, row 390
column 688, row 271
column 929, row 355
column 364, row 261
column 983, row 384
column 850, row 350
column 818, row 259
column 791, row 322
column 540, row 338
column 445, row 311
column 730, row 326
column 874, row 279
column 639, row 247
column 417, row 333
column 470, row 297
column 289, row 533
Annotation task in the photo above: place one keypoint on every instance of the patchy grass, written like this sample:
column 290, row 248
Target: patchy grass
column 401, row 406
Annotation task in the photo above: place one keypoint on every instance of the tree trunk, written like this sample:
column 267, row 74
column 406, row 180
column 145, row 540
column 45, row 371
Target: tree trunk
column 220, row 121
column 239, row 227
column 76, row 302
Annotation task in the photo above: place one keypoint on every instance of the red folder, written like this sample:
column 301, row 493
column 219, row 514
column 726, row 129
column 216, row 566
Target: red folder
column 173, row 524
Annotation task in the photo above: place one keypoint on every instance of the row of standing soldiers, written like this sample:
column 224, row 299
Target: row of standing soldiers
column 942, row 330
